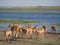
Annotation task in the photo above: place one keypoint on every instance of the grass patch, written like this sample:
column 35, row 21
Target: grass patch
column 57, row 24
column 17, row 21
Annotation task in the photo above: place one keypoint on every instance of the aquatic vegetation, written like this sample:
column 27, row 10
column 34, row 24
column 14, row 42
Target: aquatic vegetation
column 17, row 21
column 57, row 24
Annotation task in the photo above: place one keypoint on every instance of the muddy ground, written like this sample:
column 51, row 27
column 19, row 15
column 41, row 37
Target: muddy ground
column 49, row 39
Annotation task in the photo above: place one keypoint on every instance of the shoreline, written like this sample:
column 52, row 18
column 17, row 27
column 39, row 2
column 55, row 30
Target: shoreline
column 28, row 8
column 53, row 33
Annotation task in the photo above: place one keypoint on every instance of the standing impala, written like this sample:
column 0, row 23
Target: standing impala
column 40, row 31
column 15, row 29
column 53, row 28
column 7, row 34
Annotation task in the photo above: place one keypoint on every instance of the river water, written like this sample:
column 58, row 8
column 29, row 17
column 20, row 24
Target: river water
column 47, row 18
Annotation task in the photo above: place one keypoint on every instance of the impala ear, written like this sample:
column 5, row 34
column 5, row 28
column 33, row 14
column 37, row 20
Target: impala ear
column 36, row 26
column 43, row 26
column 9, row 25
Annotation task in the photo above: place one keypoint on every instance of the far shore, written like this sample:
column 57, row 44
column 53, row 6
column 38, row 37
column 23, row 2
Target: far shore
column 28, row 8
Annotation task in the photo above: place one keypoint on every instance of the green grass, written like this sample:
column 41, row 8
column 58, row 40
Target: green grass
column 57, row 24
column 17, row 21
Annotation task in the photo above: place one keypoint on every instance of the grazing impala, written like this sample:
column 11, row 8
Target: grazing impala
column 45, row 29
column 7, row 34
column 53, row 28
column 15, row 29
column 29, row 30
column 40, row 31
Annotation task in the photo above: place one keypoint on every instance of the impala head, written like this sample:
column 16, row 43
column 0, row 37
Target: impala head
column 53, row 28
column 28, row 26
column 45, row 28
column 35, row 26
column 10, row 25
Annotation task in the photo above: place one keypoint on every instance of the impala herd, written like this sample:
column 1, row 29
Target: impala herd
column 28, row 30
